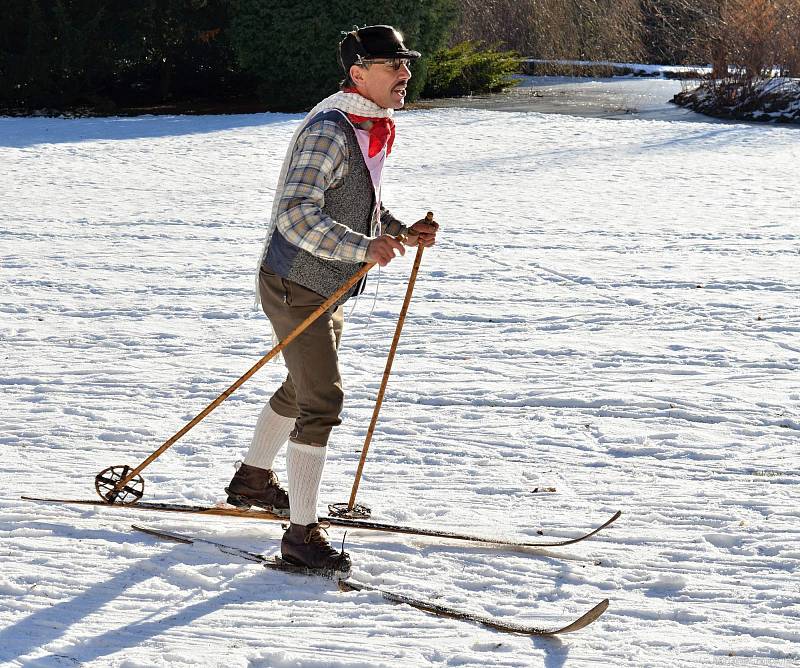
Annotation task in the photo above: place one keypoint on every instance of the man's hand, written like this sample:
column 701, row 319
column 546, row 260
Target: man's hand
column 381, row 249
column 422, row 233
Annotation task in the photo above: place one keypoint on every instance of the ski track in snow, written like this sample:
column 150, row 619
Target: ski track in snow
column 612, row 310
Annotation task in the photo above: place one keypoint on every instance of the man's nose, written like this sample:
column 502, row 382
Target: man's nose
column 405, row 72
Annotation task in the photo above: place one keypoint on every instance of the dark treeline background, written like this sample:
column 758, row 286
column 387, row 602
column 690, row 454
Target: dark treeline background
column 111, row 55
column 107, row 55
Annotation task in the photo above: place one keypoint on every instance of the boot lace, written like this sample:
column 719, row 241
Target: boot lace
column 272, row 479
column 315, row 531
column 314, row 536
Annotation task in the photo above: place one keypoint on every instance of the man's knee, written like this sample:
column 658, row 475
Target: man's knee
column 318, row 418
column 336, row 398
column 284, row 400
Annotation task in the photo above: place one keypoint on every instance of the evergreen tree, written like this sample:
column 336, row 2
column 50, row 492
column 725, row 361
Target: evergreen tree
column 97, row 53
column 178, row 48
column 24, row 36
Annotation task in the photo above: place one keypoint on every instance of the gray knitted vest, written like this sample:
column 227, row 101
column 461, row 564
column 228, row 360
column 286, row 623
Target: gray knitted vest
column 351, row 204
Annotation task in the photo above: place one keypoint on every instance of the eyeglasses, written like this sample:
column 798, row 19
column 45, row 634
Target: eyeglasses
column 393, row 63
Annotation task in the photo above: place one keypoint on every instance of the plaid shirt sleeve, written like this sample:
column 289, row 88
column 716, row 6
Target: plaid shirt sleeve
column 319, row 161
column 390, row 224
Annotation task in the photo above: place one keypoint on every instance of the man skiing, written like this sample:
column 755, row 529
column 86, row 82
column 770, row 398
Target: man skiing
column 327, row 220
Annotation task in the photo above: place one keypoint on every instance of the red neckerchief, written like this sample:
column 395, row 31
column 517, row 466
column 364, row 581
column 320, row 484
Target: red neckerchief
column 380, row 134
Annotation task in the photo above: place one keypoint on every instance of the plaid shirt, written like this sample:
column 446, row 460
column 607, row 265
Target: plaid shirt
column 319, row 162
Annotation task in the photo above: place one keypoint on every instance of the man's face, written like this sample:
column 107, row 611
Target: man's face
column 383, row 80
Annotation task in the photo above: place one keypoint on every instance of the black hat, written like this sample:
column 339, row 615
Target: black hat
column 372, row 42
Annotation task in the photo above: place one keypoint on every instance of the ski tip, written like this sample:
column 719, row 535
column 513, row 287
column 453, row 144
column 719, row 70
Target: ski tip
column 598, row 610
column 610, row 521
column 586, row 618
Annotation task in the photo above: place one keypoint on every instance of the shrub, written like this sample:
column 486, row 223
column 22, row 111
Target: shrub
column 290, row 47
column 467, row 68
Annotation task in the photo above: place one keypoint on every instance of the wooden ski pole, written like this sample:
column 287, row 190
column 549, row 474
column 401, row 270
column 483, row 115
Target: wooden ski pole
column 125, row 477
column 387, row 370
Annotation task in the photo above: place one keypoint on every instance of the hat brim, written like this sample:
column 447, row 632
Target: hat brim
column 406, row 53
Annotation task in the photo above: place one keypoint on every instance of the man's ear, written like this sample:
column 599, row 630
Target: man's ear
column 356, row 74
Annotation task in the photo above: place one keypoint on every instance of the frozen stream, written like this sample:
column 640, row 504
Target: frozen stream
column 616, row 98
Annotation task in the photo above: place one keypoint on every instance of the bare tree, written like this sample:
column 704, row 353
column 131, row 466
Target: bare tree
column 556, row 29
column 749, row 38
column 740, row 33
column 754, row 46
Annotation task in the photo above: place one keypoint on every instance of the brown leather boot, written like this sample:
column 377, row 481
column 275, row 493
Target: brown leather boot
column 305, row 545
column 252, row 486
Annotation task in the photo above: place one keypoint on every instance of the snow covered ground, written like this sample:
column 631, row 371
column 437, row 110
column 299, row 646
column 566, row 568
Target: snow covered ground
column 612, row 310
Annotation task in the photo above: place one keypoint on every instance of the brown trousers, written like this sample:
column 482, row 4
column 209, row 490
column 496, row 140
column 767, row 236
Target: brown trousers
column 312, row 391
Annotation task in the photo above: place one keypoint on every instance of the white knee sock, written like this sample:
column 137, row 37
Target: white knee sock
column 304, row 464
column 272, row 432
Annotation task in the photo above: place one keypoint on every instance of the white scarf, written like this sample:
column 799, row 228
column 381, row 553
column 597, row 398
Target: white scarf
column 349, row 103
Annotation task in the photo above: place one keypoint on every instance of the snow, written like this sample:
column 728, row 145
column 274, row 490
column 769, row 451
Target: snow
column 612, row 311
